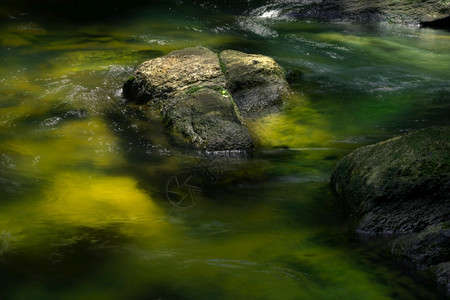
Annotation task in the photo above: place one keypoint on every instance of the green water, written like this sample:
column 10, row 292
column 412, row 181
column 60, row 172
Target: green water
column 86, row 181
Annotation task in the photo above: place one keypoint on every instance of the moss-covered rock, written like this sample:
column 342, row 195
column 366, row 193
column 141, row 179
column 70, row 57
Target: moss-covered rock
column 203, row 98
column 401, row 186
column 255, row 81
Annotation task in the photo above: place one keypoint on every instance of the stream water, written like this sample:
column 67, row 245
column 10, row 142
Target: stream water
column 99, row 201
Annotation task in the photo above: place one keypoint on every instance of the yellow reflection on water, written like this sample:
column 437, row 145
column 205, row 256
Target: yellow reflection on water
column 87, row 199
column 85, row 141
column 77, row 200
column 300, row 126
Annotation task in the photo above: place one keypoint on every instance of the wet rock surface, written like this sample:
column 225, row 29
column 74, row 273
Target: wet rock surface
column 407, row 12
column 210, row 120
column 255, row 81
column 203, row 95
column 158, row 81
column 442, row 272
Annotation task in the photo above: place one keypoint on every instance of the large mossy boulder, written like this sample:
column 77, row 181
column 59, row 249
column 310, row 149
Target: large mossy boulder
column 401, row 187
column 203, row 95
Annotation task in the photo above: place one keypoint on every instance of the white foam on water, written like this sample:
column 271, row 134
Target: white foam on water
column 270, row 14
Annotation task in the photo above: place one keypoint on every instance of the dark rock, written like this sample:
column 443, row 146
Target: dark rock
column 401, row 186
column 425, row 249
column 443, row 23
column 369, row 11
column 442, row 272
column 256, row 82
column 196, row 93
column 294, row 75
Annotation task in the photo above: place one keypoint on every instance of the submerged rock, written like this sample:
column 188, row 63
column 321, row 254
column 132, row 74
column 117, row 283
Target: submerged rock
column 442, row 272
column 427, row 248
column 202, row 95
column 401, row 186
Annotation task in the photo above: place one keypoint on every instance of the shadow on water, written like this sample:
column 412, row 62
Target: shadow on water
column 113, row 10
column 145, row 143
column 85, row 10
column 154, row 155
column 61, row 259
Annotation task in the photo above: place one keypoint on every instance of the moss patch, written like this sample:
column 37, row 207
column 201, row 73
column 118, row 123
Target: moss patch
column 194, row 89
column 223, row 91
column 223, row 67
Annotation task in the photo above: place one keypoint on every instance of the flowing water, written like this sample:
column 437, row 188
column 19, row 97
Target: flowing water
column 99, row 201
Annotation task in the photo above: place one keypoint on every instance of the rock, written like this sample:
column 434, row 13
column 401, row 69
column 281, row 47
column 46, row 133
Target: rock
column 443, row 23
column 256, row 82
column 202, row 98
column 209, row 120
column 294, row 75
column 158, row 81
column 401, row 186
column 188, row 87
column 425, row 249
column 442, row 272
column 403, row 11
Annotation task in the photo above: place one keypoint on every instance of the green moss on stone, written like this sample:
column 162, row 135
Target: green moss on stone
column 223, row 91
column 223, row 66
column 194, row 89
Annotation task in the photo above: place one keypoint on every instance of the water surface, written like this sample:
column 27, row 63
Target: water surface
column 90, row 206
